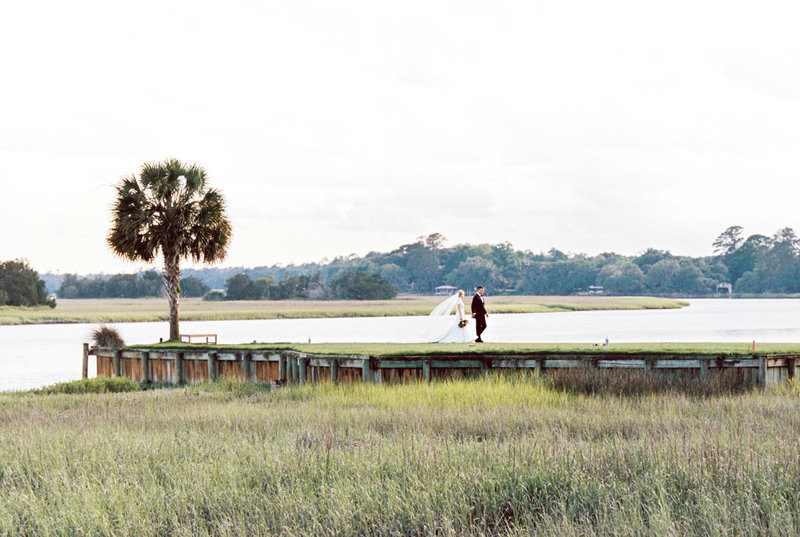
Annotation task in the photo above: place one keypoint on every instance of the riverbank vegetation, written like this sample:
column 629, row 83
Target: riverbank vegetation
column 489, row 456
column 195, row 309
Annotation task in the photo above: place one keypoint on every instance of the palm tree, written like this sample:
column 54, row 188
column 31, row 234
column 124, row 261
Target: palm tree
column 169, row 209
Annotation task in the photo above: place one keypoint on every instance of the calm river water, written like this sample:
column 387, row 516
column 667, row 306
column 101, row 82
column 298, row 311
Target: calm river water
column 37, row 355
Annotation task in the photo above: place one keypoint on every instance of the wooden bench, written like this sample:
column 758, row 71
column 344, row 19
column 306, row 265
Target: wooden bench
column 208, row 338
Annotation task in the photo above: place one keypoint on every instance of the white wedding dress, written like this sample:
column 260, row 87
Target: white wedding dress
column 444, row 326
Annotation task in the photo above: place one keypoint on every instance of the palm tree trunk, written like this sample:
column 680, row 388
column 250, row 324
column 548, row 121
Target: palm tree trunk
column 172, row 284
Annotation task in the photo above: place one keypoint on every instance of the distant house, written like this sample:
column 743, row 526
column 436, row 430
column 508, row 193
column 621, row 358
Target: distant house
column 724, row 288
column 596, row 290
column 444, row 290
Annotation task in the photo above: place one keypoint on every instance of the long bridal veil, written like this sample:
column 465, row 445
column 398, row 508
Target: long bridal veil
column 439, row 321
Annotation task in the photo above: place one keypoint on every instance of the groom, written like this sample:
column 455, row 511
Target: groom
column 479, row 313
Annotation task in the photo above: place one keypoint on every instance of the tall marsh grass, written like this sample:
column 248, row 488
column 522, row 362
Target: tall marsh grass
column 488, row 456
column 637, row 382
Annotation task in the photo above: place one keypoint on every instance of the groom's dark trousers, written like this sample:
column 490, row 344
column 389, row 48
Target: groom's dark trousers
column 479, row 312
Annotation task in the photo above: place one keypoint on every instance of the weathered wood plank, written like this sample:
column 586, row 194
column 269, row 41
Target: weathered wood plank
column 460, row 364
column 117, row 362
column 677, row 364
column 621, row 364
column 302, row 364
column 365, row 376
column 355, row 364
column 282, row 367
column 146, row 367
column 558, row 363
column 180, row 375
column 246, row 364
column 400, row 364
column 213, row 373
column 704, row 373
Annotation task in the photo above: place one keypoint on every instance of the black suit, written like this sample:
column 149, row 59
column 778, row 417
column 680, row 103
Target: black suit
column 479, row 312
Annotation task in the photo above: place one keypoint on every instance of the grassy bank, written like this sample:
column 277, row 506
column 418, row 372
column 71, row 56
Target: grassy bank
column 481, row 457
column 195, row 309
column 409, row 349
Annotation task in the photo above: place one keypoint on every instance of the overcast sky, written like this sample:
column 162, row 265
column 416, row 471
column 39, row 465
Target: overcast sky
column 345, row 127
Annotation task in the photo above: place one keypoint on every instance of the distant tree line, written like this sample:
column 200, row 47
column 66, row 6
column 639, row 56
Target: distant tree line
column 420, row 266
column 757, row 264
column 354, row 285
column 20, row 285
column 145, row 284
column 752, row 264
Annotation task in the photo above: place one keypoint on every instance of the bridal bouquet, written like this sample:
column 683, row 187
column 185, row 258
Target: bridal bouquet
column 462, row 323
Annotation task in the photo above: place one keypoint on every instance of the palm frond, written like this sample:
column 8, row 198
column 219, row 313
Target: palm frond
column 169, row 210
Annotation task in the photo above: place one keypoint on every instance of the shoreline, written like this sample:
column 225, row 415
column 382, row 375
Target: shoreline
column 89, row 311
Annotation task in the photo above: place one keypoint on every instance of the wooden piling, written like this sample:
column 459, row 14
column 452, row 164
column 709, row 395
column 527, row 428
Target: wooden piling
column 426, row 370
column 180, row 377
column 704, row 372
column 282, row 367
column 762, row 370
column 117, row 362
column 334, row 370
column 247, row 364
column 85, row 370
column 146, row 367
column 365, row 376
column 537, row 366
column 302, row 369
column 213, row 371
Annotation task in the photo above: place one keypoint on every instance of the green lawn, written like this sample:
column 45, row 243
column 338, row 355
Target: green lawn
column 195, row 309
column 489, row 456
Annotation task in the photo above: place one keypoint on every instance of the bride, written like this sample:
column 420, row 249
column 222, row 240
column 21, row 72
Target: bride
column 444, row 328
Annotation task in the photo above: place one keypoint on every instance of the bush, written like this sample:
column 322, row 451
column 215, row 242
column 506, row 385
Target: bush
column 107, row 336
column 214, row 295
column 95, row 385
column 21, row 285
